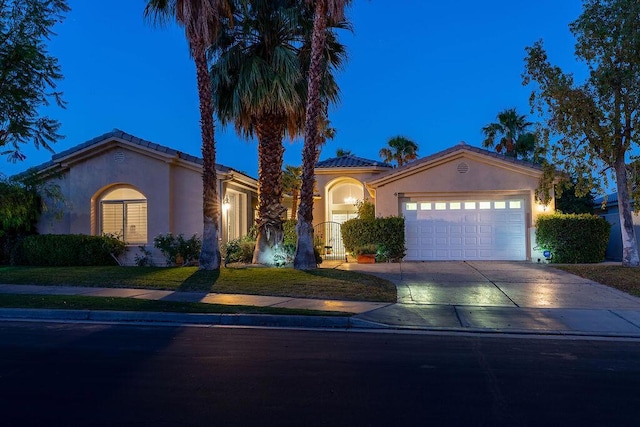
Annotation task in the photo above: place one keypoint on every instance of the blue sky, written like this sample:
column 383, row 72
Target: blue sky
column 436, row 72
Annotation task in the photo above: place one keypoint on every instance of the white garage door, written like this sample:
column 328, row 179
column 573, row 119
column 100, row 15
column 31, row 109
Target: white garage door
column 465, row 230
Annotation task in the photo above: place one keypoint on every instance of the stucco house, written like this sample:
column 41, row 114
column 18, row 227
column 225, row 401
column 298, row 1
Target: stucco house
column 463, row 203
column 118, row 183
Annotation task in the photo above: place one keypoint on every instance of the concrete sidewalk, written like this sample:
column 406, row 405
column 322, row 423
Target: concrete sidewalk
column 485, row 297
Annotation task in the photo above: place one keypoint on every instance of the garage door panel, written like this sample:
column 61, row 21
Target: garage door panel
column 460, row 230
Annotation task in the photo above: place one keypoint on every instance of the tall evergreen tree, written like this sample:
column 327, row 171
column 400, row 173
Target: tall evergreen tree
column 324, row 12
column 201, row 20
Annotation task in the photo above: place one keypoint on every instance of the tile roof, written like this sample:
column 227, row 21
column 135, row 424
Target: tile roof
column 350, row 161
column 117, row 133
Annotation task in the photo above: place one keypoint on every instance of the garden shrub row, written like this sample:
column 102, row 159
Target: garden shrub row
column 387, row 234
column 573, row 238
column 67, row 250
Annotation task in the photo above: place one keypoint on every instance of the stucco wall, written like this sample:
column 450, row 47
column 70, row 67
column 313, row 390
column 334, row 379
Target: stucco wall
column 173, row 191
column 482, row 179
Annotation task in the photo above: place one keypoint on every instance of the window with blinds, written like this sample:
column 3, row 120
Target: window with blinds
column 126, row 219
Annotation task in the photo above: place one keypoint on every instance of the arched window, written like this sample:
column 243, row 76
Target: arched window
column 123, row 212
column 342, row 201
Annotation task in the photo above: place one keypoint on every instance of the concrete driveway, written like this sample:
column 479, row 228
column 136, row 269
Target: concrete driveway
column 501, row 295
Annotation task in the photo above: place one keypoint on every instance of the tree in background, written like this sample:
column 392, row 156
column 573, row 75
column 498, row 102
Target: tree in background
column 320, row 67
column 28, row 74
column 201, row 20
column 592, row 127
column 570, row 200
column 400, row 149
column 512, row 135
column 340, row 152
column 291, row 182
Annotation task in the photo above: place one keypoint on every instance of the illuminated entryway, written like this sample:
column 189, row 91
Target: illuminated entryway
column 123, row 212
column 341, row 206
column 465, row 229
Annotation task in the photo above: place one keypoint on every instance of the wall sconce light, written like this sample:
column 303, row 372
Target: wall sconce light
column 542, row 207
column 226, row 204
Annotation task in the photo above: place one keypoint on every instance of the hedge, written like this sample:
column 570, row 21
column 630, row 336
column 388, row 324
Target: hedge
column 573, row 238
column 387, row 233
column 66, row 250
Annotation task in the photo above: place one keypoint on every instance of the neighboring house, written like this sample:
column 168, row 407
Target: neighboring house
column 120, row 184
column 611, row 213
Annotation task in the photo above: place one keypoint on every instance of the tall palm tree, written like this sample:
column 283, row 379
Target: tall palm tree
column 201, row 20
column 291, row 181
column 401, row 150
column 325, row 12
column 514, row 138
column 259, row 81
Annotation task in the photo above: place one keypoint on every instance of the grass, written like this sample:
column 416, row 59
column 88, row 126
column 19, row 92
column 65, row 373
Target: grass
column 132, row 304
column 625, row 279
column 321, row 283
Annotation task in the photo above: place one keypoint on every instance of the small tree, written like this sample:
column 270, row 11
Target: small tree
column 291, row 182
column 28, row 74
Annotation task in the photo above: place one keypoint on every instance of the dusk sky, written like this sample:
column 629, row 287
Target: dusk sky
column 436, row 72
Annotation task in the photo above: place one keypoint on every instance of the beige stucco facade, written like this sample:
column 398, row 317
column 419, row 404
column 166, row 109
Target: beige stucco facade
column 459, row 174
column 166, row 183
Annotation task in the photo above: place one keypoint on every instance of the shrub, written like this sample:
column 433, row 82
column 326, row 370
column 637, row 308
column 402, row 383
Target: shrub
column 386, row 233
column 173, row 246
column 365, row 209
column 573, row 238
column 66, row 250
column 238, row 250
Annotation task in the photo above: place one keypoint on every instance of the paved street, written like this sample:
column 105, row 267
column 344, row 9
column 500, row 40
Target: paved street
column 114, row 375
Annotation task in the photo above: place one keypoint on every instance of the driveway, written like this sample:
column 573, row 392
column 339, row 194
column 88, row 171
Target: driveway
column 496, row 284
column 501, row 296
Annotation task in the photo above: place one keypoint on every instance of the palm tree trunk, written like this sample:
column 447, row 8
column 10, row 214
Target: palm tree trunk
column 270, row 130
column 305, row 257
column 210, row 253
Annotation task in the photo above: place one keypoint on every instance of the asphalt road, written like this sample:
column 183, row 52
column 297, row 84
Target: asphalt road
column 120, row 375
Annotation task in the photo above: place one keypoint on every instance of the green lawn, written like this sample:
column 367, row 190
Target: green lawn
column 68, row 302
column 623, row 278
column 321, row 283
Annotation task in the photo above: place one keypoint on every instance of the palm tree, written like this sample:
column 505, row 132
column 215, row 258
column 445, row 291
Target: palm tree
column 291, row 181
column 325, row 12
column 514, row 138
column 342, row 152
column 401, row 149
column 259, row 81
column 201, row 20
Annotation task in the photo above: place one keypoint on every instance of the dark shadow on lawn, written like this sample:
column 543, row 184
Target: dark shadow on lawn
column 200, row 281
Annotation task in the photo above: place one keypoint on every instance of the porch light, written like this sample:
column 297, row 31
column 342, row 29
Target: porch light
column 226, row 204
column 541, row 207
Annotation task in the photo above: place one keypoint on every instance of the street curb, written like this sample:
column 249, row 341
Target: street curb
column 265, row 320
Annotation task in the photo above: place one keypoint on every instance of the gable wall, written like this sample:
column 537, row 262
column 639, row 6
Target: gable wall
column 444, row 179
